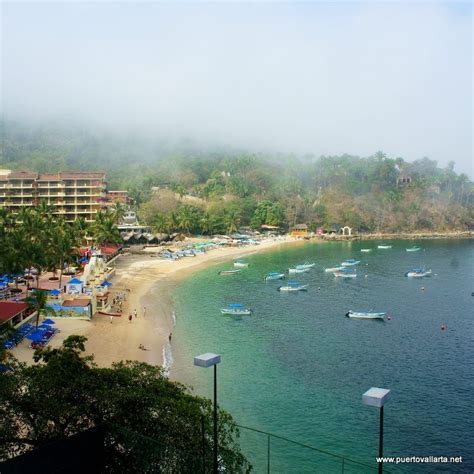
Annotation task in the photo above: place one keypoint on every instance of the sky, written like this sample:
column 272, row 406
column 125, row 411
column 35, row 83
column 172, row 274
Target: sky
column 320, row 78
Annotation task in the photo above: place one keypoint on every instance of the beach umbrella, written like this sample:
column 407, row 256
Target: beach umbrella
column 55, row 292
column 107, row 284
column 36, row 335
column 48, row 321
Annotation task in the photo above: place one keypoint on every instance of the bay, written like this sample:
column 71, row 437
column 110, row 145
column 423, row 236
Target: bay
column 298, row 367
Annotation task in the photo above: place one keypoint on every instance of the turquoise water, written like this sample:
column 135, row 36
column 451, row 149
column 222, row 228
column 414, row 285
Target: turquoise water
column 297, row 367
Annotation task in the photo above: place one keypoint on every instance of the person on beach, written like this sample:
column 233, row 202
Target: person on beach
column 135, row 313
column 169, row 337
column 130, row 318
column 144, row 311
column 111, row 319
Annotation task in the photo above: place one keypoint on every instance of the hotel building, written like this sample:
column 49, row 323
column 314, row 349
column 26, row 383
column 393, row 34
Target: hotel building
column 72, row 195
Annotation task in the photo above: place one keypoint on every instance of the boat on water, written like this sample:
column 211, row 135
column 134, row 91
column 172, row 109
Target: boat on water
column 228, row 272
column 384, row 246
column 345, row 273
column 350, row 262
column 418, row 273
column 413, row 249
column 305, row 265
column 365, row 315
column 297, row 270
column 274, row 276
column 333, row 269
column 366, row 250
column 293, row 286
column 236, row 309
column 240, row 264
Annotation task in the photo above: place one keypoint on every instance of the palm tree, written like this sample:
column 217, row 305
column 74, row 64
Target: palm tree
column 231, row 221
column 207, row 223
column 104, row 230
column 117, row 211
column 185, row 219
column 38, row 302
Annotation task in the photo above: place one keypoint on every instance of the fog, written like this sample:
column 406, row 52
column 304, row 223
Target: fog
column 304, row 77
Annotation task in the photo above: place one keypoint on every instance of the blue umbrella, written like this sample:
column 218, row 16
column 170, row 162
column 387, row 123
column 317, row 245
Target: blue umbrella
column 48, row 321
column 36, row 335
column 55, row 292
column 106, row 283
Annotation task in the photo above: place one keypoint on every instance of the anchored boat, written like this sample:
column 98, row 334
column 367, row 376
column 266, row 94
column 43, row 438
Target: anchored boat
column 236, row 309
column 228, row 272
column 418, row 273
column 297, row 270
column 333, row 269
column 384, row 246
column 345, row 273
column 350, row 262
column 305, row 265
column 293, row 286
column 274, row 276
column 240, row 264
column 413, row 249
column 365, row 315
column 366, row 250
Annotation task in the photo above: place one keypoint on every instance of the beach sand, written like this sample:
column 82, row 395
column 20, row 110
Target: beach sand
column 146, row 336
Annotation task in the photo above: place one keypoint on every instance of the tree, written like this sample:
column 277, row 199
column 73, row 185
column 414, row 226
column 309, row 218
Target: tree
column 152, row 424
column 231, row 221
column 104, row 230
column 39, row 302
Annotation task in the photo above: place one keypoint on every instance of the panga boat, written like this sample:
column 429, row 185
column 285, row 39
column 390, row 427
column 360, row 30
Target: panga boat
column 297, row 270
column 240, row 264
column 365, row 315
column 384, row 246
column 305, row 265
column 229, row 272
column 413, row 249
column 236, row 309
column 350, row 262
column 418, row 273
column 345, row 273
column 366, row 250
column 293, row 286
column 333, row 269
column 274, row 276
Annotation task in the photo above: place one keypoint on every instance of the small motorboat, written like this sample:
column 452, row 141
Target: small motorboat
column 228, row 272
column 293, row 286
column 305, row 265
column 240, row 264
column 418, row 273
column 236, row 309
column 384, row 246
column 366, row 250
column 345, row 273
column 350, row 262
column 365, row 315
column 297, row 270
column 274, row 276
column 333, row 269
column 413, row 249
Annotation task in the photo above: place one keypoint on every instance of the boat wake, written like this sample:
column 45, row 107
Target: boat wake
column 167, row 359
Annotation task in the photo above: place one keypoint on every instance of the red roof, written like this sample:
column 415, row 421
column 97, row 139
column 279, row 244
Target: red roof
column 83, row 175
column 9, row 310
column 23, row 175
column 76, row 303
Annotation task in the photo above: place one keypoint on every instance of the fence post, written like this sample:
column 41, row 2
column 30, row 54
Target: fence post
column 268, row 454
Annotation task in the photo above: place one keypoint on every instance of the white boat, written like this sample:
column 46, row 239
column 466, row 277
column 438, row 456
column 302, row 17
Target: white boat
column 345, row 273
column 365, row 315
column 418, row 273
column 333, row 269
column 350, row 262
column 240, row 264
column 293, row 286
column 229, row 272
column 413, row 249
column 305, row 265
column 384, row 246
column 274, row 276
column 236, row 310
column 366, row 250
column 297, row 270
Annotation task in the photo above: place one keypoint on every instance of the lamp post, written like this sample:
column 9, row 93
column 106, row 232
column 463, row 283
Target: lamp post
column 377, row 397
column 208, row 360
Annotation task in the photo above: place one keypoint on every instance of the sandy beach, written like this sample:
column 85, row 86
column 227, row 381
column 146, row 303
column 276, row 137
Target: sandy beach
column 145, row 337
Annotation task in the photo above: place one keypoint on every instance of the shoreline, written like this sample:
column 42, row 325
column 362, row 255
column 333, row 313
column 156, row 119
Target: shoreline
column 146, row 338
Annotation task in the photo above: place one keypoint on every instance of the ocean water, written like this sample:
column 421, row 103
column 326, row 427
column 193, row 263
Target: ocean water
column 298, row 367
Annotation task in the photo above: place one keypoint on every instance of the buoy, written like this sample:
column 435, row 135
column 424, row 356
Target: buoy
column 443, row 327
column 422, row 288
column 366, row 276
column 389, row 318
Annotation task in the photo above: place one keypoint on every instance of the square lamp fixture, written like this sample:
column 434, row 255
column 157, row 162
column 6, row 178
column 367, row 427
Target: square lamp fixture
column 376, row 397
column 207, row 360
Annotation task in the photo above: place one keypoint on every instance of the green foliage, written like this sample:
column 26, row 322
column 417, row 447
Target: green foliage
column 152, row 424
